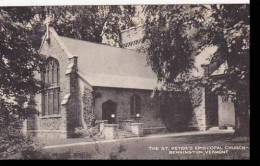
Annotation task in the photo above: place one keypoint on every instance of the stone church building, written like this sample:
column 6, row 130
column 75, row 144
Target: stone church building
column 84, row 80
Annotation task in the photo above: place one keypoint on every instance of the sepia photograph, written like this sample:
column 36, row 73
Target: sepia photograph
column 125, row 81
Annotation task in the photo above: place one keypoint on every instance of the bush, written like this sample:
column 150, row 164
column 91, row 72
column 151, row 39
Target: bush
column 15, row 145
column 20, row 147
column 89, row 132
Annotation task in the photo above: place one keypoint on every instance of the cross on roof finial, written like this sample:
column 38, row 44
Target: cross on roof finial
column 47, row 23
column 48, row 20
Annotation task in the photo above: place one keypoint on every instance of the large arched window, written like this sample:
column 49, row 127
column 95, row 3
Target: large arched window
column 135, row 105
column 51, row 92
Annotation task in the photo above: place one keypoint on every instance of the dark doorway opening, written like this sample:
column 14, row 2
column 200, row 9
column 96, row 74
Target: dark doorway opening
column 211, row 104
column 109, row 111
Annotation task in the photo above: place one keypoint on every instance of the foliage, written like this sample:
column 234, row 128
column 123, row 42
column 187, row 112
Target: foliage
column 230, row 24
column 172, row 45
column 19, row 61
column 87, row 99
column 177, row 116
column 89, row 132
column 178, row 33
column 13, row 144
column 92, row 23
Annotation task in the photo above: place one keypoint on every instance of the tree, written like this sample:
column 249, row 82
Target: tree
column 176, row 34
column 231, row 24
column 92, row 23
column 19, row 61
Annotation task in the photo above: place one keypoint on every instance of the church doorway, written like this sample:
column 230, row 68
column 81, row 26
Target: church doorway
column 212, row 110
column 109, row 111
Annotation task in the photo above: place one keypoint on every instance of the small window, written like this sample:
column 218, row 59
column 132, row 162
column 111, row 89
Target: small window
column 135, row 105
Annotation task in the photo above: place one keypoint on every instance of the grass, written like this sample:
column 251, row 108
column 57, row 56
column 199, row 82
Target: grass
column 152, row 148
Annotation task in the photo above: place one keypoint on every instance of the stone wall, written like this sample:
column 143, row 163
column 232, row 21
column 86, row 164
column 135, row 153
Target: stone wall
column 150, row 114
column 58, row 123
column 198, row 121
column 204, row 113
column 47, row 136
column 86, row 100
column 226, row 112
column 74, row 107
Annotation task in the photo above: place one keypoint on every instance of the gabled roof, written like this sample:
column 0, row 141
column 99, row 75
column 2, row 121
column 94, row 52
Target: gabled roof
column 107, row 66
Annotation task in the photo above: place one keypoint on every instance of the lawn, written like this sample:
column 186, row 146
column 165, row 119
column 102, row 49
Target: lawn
column 210, row 146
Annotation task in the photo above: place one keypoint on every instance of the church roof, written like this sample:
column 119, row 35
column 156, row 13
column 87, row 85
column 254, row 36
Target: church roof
column 107, row 66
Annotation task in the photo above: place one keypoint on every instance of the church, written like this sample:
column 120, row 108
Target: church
column 84, row 80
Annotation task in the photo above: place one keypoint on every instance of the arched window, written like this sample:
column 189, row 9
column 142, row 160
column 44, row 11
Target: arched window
column 51, row 92
column 135, row 105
